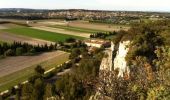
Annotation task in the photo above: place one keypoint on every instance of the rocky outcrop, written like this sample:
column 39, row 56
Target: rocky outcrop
column 119, row 61
column 107, row 61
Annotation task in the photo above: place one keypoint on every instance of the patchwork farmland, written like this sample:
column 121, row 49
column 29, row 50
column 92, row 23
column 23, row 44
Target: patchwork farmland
column 14, row 70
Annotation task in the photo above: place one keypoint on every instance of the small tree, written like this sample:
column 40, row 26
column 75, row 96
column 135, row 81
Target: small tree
column 39, row 70
column 19, row 51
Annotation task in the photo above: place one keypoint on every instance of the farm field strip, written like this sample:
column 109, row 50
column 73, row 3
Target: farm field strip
column 49, row 22
column 40, row 34
column 9, row 37
column 62, row 31
column 77, row 29
column 84, row 26
column 12, row 79
column 104, row 27
column 12, row 64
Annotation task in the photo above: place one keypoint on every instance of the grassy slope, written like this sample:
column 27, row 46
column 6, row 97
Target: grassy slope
column 77, row 29
column 22, row 75
column 40, row 34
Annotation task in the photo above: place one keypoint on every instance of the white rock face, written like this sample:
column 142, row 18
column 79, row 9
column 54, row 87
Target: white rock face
column 119, row 61
column 107, row 62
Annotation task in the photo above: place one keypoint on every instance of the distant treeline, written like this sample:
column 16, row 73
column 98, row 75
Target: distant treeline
column 18, row 48
column 38, row 17
column 24, row 17
column 102, row 35
column 17, row 23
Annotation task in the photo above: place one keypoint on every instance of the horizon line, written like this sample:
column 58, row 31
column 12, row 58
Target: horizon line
column 156, row 11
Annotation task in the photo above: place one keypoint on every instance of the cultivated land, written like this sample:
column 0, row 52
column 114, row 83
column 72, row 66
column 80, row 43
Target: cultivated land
column 63, row 31
column 77, row 29
column 81, row 26
column 105, row 27
column 8, row 37
column 89, row 26
column 40, row 34
column 14, row 70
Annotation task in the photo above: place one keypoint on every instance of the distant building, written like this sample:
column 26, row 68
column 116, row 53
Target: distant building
column 97, row 43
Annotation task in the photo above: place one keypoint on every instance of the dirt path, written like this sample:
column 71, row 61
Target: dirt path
column 12, row 37
column 62, row 31
column 12, row 64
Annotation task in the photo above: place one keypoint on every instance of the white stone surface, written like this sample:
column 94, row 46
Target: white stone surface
column 109, row 63
column 119, row 61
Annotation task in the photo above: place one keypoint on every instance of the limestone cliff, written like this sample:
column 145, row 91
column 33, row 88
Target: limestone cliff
column 119, row 61
column 107, row 61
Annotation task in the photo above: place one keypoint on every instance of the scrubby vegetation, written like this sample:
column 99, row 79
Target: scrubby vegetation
column 148, row 59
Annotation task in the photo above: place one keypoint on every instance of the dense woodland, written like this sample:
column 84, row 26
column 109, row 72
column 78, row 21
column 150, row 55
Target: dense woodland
column 148, row 59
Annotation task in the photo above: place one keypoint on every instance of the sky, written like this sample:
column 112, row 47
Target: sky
column 127, row 5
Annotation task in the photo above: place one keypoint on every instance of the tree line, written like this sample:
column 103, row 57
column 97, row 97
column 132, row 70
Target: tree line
column 102, row 35
column 18, row 48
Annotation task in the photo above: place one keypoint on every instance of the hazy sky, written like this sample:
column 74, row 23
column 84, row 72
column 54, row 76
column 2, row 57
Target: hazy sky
column 144, row 5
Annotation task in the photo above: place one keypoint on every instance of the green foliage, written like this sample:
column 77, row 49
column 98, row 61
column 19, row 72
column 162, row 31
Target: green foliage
column 39, row 70
column 75, row 53
column 70, row 40
column 102, row 35
column 19, row 51
column 70, row 87
column 145, row 40
column 49, row 91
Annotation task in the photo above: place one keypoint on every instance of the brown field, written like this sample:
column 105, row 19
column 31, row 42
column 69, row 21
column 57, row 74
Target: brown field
column 82, row 24
column 86, row 24
column 106, row 27
column 12, row 64
column 8, row 37
column 62, row 31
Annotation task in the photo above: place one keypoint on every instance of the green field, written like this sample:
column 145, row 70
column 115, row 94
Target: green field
column 13, row 79
column 77, row 29
column 40, row 34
